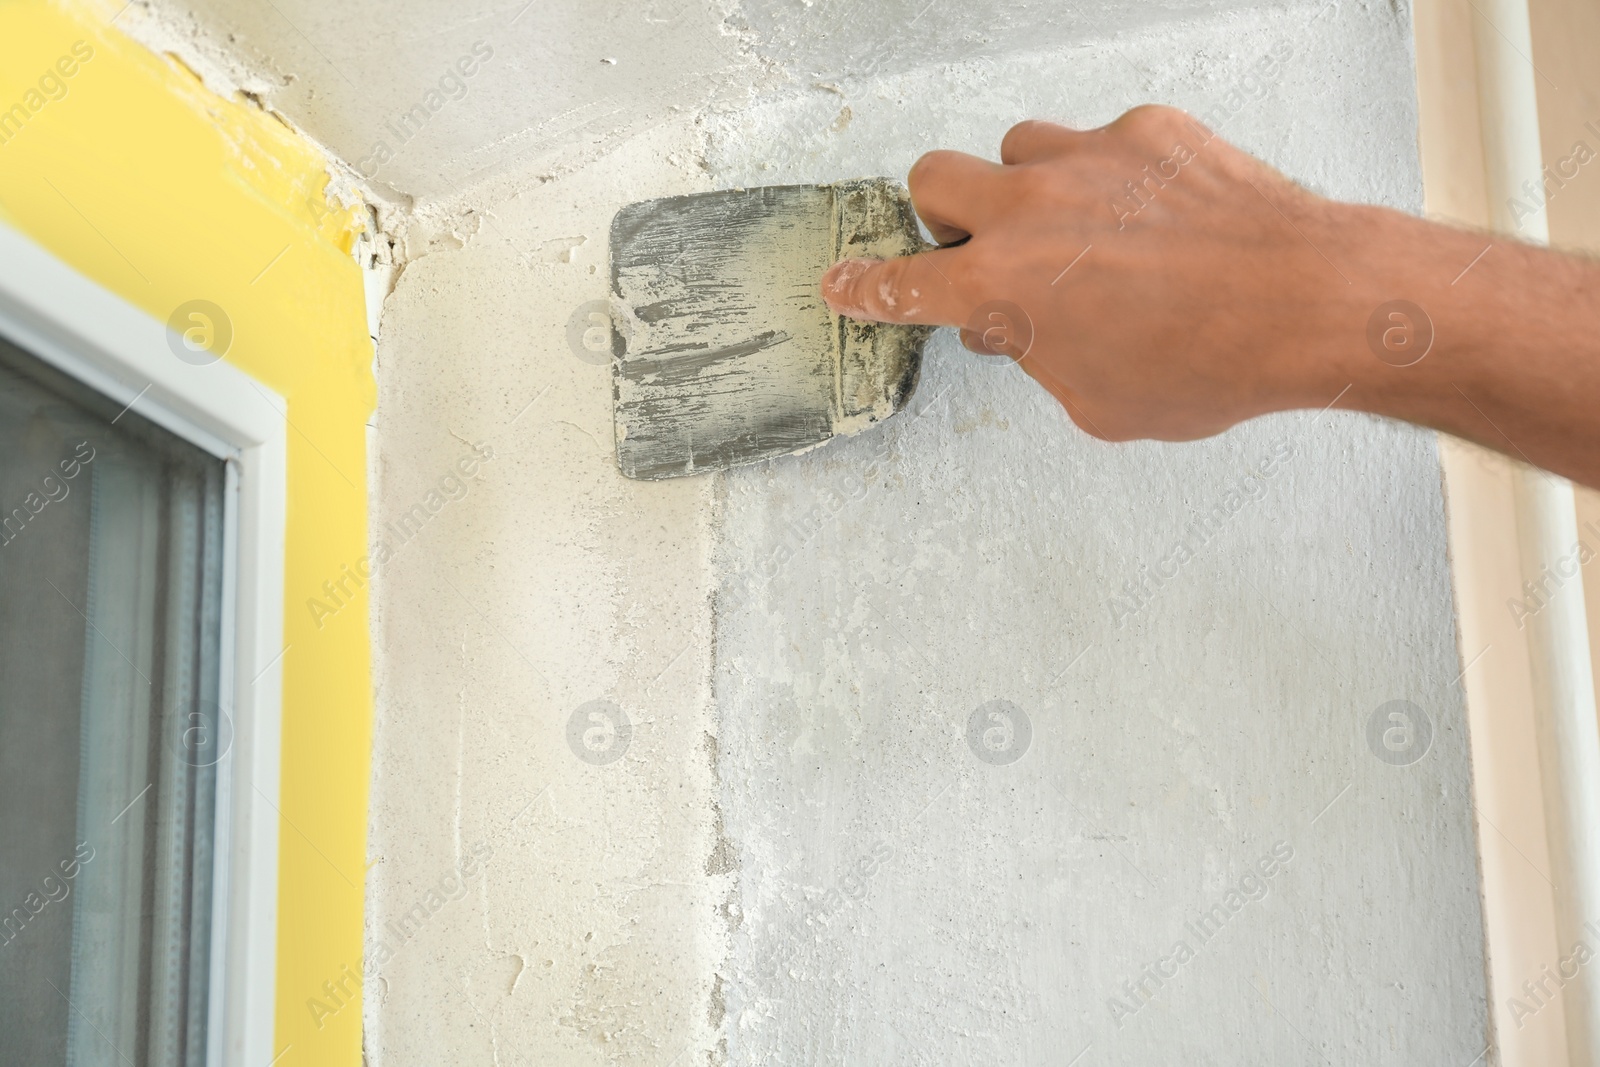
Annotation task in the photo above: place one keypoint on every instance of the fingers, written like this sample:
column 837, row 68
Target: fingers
column 1035, row 139
column 908, row 289
column 1158, row 122
column 954, row 193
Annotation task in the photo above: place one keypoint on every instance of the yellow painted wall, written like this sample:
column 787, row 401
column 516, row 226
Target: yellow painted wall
column 129, row 170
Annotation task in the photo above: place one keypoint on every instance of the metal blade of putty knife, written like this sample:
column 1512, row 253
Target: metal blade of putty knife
column 723, row 352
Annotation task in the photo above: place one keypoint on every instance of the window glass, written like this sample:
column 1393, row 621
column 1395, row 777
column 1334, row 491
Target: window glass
column 111, row 545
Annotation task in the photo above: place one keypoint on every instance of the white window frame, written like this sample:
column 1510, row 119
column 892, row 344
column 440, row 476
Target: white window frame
column 81, row 329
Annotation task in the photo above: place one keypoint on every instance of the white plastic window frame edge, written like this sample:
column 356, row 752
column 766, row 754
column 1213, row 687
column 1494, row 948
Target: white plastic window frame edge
column 74, row 325
column 1558, row 638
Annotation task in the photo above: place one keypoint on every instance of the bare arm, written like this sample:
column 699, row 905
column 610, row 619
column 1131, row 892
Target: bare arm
column 1162, row 284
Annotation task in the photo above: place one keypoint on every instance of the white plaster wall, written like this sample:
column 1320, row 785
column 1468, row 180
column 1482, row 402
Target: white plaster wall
column 799, row 645
column 591, row 935
column 566, row 81
column 876, row 593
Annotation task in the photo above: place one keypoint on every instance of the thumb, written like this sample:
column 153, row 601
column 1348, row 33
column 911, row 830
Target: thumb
column 904, row 290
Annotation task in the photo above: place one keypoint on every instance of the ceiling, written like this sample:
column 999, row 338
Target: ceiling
column 428, row 97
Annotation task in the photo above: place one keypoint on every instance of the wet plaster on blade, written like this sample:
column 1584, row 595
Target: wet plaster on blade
column 727, row 349
column 591, row 934
column 902, row 901
column 726, row 352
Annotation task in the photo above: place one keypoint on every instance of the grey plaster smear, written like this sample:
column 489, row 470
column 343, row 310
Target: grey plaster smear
column 724, row 352
column 1033, row 746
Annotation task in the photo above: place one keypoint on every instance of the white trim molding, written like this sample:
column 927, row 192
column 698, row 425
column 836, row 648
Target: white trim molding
column 117, row 349
column 1547, row 531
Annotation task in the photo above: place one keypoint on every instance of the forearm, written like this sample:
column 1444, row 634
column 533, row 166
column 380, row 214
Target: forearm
column 1514, row 362
column 1162, row 284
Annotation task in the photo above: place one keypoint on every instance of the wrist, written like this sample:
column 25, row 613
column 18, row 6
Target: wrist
column 1397, row 329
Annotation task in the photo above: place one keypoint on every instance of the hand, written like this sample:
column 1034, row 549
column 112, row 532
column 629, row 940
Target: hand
column 1162, row 283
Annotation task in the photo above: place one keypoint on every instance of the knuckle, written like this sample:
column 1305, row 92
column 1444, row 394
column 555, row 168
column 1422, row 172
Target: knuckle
column 1034, row 139
column 928, row 166
column 1018, row 134
column 1151, row 120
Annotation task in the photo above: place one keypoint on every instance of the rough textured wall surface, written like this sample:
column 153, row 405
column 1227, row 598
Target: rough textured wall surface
column 523, row 608
column 542, row 85
column 917, row 887
column 810, row 842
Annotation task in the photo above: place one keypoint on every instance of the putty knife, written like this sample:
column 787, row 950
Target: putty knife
column 723, row 352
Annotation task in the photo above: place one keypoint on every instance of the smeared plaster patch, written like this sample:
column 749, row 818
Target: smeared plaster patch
column 499, row 975
column 716, row 1007
column 722, row 859
column 985, row 419
column 561, row 249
